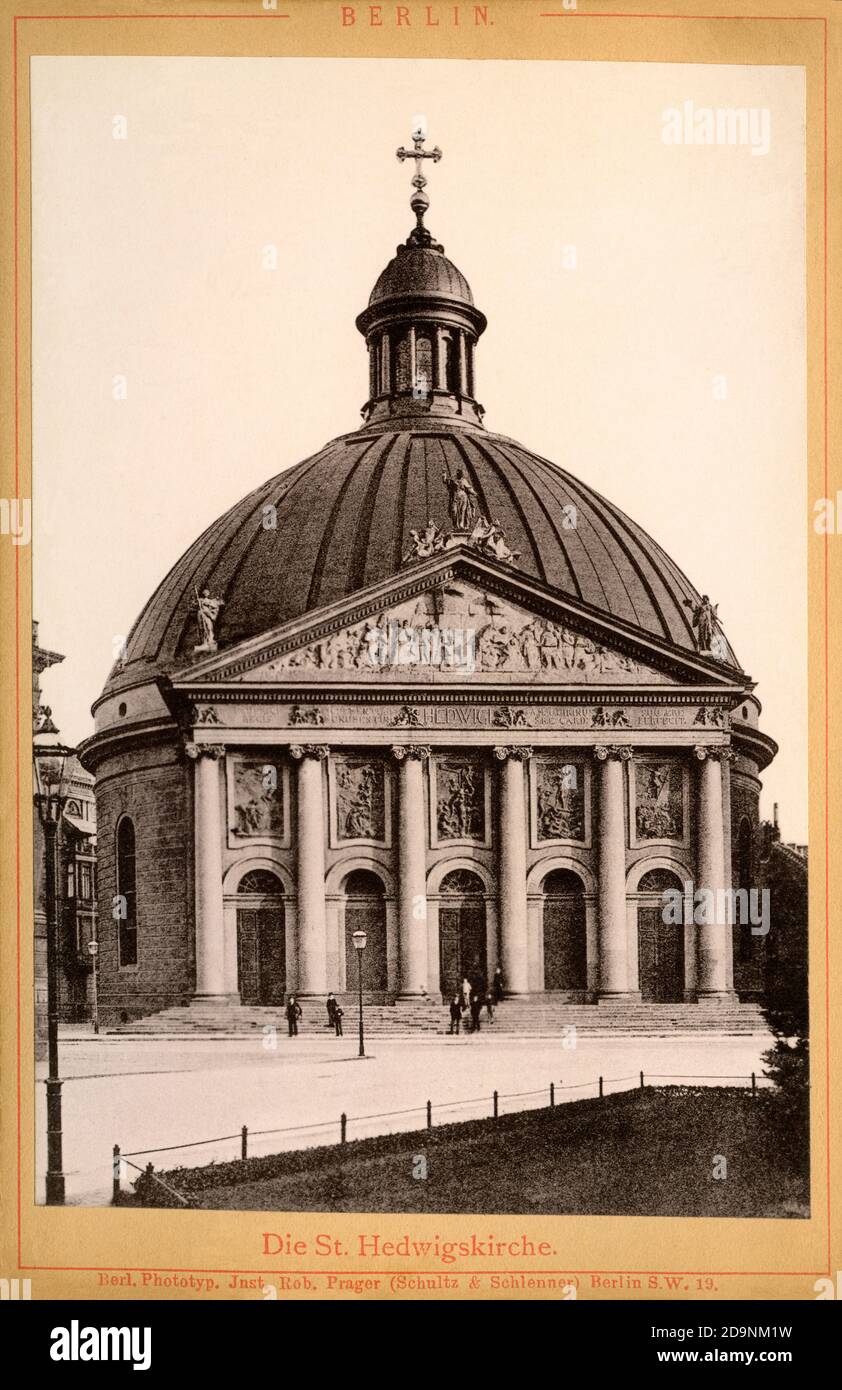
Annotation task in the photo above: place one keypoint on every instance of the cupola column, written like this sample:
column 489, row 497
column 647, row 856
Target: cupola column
column 310, row 853
column 463, row 363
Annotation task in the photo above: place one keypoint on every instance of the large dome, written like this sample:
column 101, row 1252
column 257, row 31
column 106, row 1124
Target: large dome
column 343, row 521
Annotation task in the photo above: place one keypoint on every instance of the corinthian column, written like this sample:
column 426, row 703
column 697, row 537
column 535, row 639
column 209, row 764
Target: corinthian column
column 714, row 939
column 613, row 930
column 412, row 870
column 209, row 913
column 513, row 929
column 310, row 855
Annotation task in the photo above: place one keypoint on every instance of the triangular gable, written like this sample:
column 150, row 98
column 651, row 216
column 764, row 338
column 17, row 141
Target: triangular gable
column 455, row 618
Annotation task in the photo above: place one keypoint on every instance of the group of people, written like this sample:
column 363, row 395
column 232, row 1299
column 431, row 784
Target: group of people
column 471, row 998
column 466, row 1006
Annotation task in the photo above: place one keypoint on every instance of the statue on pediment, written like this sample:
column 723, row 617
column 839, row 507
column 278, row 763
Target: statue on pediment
column 707, row 627
column 207, row 612
column 424, row 543
column 462, row 500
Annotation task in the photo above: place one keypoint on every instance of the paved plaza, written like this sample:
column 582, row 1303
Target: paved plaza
column 153, row 1093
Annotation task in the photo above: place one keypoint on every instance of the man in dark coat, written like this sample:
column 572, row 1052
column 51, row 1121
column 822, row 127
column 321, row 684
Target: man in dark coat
column 455, row 1013
column 497, row 985
column 331, row 1011
column 476, row 1006
column 338, row 1015
column 293, row 1012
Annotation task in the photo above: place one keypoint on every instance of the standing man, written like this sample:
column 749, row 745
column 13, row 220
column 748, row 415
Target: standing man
column 497, row 985
column 455, row 1014
column 293, row 1015
column 331, row 1011
column 476, row 1006
column 338, row 1015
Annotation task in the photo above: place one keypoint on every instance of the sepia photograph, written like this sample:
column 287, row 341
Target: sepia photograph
column 419, row 637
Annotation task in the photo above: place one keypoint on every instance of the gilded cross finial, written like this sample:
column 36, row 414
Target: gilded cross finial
column 419, row 202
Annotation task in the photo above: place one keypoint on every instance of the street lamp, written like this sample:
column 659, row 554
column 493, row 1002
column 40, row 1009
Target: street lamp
column 49, row 763
column 359, row 940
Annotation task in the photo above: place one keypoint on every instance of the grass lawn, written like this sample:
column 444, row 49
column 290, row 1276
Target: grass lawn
column 640, row 1153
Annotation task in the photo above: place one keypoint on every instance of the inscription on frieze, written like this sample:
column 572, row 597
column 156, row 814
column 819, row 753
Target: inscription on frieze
column 465, row 716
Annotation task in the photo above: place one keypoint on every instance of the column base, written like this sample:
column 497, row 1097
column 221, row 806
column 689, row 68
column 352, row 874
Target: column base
column 214, row 999
column 620, row 996
column 717, row 996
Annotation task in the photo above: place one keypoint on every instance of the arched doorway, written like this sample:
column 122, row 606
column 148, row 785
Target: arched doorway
column 365, row 910
column 565, row 944
column 660, row 944
column 462, row 935
column 261, row 938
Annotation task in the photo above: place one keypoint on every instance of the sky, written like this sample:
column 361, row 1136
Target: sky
column 195, row 286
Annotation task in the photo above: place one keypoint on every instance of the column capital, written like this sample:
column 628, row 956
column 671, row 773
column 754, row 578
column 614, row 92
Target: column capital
column 621, row 751
column 216, row 751
column 421, row 751
column 309, row 750
column 522, row 752
column 721, row 751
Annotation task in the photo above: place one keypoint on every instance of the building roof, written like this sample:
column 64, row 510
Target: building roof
column 343, row 520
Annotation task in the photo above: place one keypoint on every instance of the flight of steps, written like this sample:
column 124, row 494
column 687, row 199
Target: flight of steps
column 535, row 1017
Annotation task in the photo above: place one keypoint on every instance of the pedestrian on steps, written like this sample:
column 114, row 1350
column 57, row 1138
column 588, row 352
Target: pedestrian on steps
column 293, row 1012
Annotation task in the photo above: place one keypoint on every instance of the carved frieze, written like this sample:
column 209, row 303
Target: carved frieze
column 360, row 799
column 659, row 800
column 460, row 800
column 457, row 629
column 255, row 798
column 560, row 802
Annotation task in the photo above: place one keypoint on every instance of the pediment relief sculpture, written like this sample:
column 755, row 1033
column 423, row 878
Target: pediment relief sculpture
column 456, row 629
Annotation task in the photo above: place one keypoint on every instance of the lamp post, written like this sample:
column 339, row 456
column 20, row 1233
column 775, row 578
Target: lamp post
column 359, row 940
column 49, row 763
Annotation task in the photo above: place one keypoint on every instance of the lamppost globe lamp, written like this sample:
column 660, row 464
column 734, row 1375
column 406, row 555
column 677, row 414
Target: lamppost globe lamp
column 359, row 939
column 49, row 761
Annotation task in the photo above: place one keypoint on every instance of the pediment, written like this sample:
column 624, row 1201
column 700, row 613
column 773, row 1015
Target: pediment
column 452, row 625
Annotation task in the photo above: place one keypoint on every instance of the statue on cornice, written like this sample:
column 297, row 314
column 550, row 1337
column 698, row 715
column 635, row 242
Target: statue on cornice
column 207, row 612
column 706, row 622
column 424, row 543
column 463, row 500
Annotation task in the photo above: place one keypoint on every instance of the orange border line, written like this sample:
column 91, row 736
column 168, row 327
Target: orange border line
column 797, row 19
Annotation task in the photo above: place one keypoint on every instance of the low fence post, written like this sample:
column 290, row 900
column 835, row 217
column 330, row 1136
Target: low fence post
column 343, row 1128
column 641, row 1081
column 753, row 1082
column 552, row 1093
column 600, row 1089
column 115, row 1173
column 429, row 1114
column 244, row 1144
column 495, row 1105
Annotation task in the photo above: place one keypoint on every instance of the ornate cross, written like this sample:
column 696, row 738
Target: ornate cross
column 419, row 202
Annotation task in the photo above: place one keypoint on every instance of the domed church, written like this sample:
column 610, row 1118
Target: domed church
column 428, row 684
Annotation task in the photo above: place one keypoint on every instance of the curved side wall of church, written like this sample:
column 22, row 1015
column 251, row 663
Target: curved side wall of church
column 152, row 787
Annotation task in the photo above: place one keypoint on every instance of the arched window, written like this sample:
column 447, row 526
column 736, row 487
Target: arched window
column 127, row 893
column 448, row 368
column 261, row 881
